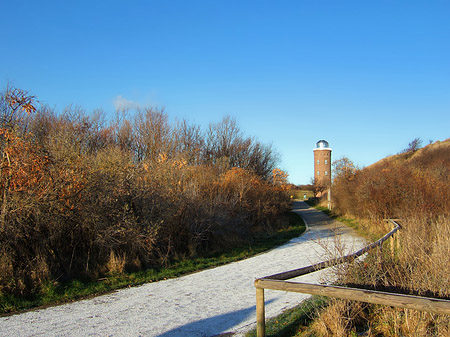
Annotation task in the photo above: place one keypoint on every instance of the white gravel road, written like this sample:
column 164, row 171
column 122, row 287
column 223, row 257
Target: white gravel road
column 208, row 303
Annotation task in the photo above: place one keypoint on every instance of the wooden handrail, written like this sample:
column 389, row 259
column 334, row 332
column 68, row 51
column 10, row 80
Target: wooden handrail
column 333, row 262
column 278, row 282
column 437, row 306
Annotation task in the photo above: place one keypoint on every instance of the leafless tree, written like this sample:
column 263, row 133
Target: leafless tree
column 154, row 134
column 226, row 146
column 189, row 141
column 413, row 146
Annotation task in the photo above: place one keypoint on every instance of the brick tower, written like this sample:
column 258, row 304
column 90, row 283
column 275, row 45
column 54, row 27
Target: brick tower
column 322, row 165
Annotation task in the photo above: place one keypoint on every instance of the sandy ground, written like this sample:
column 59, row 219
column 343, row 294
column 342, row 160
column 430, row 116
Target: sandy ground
column 208, row 303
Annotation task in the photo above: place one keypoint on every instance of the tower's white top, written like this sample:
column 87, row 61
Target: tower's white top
column 322, row 145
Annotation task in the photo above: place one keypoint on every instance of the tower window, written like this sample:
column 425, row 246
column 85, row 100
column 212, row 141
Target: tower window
column 326, row 173
column 318, row 161
column 318, row 173
column 326, row 161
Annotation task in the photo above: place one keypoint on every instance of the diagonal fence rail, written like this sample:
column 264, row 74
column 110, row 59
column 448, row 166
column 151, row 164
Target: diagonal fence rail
column 278, row 282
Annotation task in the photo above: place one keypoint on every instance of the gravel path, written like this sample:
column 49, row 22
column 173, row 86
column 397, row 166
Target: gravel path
column 208, row 303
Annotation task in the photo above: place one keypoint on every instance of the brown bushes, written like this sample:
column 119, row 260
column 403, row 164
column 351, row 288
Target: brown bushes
column 81, row 197
column 397, row 187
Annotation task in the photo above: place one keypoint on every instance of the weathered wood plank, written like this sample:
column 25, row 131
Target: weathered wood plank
column 332, row 262
column 428, row 304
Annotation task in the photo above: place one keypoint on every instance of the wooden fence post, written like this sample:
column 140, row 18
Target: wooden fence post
column 260, row 313
column 395, row 239
column 392, row 242
column 379, row 256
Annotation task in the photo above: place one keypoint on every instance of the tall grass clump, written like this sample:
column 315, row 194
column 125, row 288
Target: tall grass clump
column 82, row 197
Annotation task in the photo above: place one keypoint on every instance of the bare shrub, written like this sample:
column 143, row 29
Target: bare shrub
column 413, row 146
column 154, row 134
column 226, row 147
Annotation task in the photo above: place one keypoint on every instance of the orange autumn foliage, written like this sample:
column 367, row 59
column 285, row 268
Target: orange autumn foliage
column 23, row 163
column 19, row 99
column 280, row 179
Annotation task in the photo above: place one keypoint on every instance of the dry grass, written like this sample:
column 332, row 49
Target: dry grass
column 116, row 263
column 421, row 267
column 339, row 318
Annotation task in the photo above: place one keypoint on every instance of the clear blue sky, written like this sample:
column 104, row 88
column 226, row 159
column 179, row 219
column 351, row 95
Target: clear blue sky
column 375, row 73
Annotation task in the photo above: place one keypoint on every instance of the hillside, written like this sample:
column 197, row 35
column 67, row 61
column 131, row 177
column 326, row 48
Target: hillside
column 415, row 187
column 428, row 156
column 398, row 186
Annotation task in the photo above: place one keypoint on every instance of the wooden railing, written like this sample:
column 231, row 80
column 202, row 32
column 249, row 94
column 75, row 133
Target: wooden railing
column 278, row 282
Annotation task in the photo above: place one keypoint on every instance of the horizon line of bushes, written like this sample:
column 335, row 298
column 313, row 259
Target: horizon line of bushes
column 81, row 197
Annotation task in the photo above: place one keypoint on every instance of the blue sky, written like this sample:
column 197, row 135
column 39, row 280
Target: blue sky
column 376, row 74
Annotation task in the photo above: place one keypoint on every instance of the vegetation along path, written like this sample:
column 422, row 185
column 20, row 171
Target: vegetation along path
column 208, row 303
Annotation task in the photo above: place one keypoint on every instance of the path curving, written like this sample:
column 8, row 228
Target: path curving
column 208, row 303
